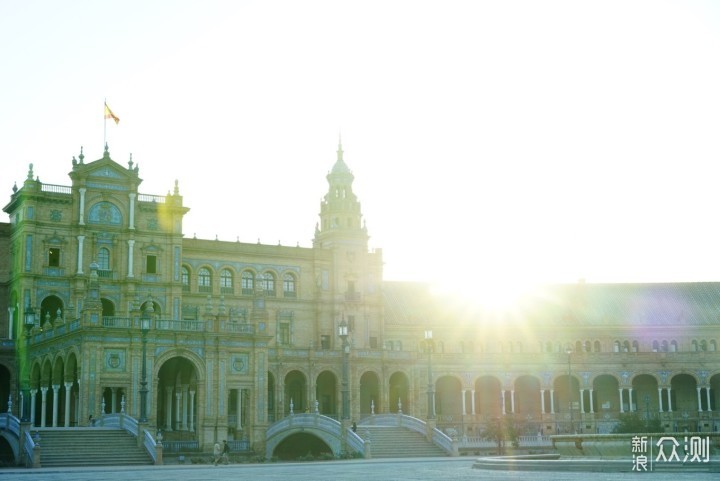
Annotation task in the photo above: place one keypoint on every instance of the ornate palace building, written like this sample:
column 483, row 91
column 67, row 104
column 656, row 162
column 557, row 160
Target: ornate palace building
column 106, row 305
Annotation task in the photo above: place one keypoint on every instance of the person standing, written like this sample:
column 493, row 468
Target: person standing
column 225, row 452
column 216, row 454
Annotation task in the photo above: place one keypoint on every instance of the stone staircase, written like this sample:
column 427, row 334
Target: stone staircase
column 398, row 442
column 90, row 447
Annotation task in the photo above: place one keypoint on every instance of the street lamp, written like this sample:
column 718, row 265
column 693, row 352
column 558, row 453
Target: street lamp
column 569, row 355
column 430, row 394
column 145, row 324
column 28, row 324
column 343, row 333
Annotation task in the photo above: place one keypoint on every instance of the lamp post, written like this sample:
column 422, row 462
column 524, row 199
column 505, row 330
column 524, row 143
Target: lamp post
column 29, row 324
column 343, row 333
column 145, row 323
column 569, row 355
column 430, row 393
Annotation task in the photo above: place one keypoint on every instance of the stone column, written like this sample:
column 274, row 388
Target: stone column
column 699, row 400
column 113, row 401
column 11, row 318
column 464, row 396
column 582, row 401
column 131, row 245
column 192, row 411
column 472, row 401
column 131, row 224
column 502, row 398
column 81, row 241
column 660, row 409
column 707, row 393
column 68, row 391
column 33, row 398
column 592, row 409
column 542, row 401
column 238, row 407
column 185, row 407
column 168, row 408
column 82, row 191
column 630, row 399
column 669, row 390
column 178, row 426
column 622, row 409
column 43, row 406
column 512, row 401
column 552, row 401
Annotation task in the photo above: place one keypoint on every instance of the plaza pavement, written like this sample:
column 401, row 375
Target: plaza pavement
column 423, row 469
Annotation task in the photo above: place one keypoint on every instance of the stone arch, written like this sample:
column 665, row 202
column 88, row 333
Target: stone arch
column 527, row 396
column 49, row 308
column 398, row 392
column 487, row 396
column 178, row 380
column 448, row 399
column 326, row 393
column 295, row 392
column 370, row 393
column 108, row 307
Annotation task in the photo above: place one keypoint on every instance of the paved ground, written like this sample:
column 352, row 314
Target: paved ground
column 434, row 469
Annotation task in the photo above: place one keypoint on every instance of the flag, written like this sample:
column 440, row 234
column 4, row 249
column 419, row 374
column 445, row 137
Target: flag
column 110, row 115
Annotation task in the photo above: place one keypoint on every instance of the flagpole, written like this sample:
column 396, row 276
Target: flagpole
column 104, row 123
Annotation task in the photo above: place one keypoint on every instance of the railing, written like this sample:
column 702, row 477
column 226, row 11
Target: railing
column 177, row 325
column 414, row 424
column 523, row 441
column 158, row 199
column 181, row 446
column 122, row 322
column 29, row 447
column 239, row 445
column 56, row 189
column 10, row 423
column 238, row 327
column 151, row 446
column 105, row 274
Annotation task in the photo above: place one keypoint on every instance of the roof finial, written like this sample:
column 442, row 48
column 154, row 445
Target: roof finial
column 106, row 154
column 130, row 162
column 340, row 150
column 81, row 156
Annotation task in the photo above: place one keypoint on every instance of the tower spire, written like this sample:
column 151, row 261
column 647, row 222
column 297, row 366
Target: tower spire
column 340, row 150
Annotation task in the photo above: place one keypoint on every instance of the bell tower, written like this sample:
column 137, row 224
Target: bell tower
column 340, row 214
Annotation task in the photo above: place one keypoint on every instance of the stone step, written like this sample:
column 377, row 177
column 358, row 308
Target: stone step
column 392, row 442
column 90, row 447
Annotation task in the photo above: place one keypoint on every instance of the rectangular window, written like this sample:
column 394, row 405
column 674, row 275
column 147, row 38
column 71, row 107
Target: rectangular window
column 54, row 257
column 151, row 265
column 285, row 334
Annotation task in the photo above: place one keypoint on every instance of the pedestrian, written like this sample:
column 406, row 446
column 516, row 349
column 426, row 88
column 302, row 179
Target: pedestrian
column 91, row 421
column 216, row 453
column 225, row 452
column 354, row 427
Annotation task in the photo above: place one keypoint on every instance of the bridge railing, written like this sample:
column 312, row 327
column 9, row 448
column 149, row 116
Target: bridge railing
column 132, row 426
column 10, row 423
column 439, row 438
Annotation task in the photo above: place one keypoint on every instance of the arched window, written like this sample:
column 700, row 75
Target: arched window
column 664, row 346
column 713, row 346
column 204, row 280
column 104, row 259
column 226, row 281
column 588, row 346
column 269, row 284
column 289, row 286
column 185, row 279
column 616, row 346
column 635, row 346
column 247, row 282
column 656, row 346
column 626, row 346
column 703, row 345
column 597, row 346
column 673, row 346
column 694, row 345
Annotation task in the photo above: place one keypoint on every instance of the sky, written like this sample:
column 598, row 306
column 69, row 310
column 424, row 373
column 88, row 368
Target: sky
column 495, row 144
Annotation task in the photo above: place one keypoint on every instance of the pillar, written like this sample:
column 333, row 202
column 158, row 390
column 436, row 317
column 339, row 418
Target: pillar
column 11, row 318
column 552, row 401
column 192, row 411
column 502, row 400
column 699, row 397
column 113, row 401
column 131, row 223
column 582, row 401
column 592, row 409
column 68, row 391
column 43, row 406
column 33, row 398
column 82, row 191
column 542, row 401
column 472, row 401
column 81, row 241
column 178, row 395
column 512, row 401
column 238, row 408
column 622, row 409
column 185, row 407
column 464, row 396
column 131, row 245
column 669, row 400
column 168, row 408
column 707, row 393
column 660, row 407
column 630, row 399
